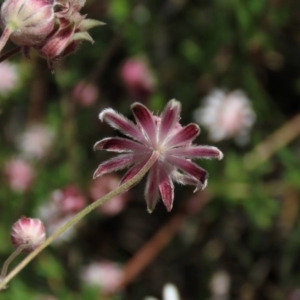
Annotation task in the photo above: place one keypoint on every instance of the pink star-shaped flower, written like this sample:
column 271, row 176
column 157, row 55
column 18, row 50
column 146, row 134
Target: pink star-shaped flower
column 152, row 133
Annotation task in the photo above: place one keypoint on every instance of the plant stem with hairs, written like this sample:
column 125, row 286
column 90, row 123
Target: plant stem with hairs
column 122, row 188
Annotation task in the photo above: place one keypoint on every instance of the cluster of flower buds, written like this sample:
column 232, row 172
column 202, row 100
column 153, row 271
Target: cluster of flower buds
column 54, row 27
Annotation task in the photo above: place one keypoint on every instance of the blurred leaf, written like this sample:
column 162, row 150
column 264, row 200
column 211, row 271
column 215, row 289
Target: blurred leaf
column 119, row 10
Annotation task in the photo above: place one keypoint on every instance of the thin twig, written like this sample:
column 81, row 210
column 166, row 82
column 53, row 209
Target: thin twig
column 277, row 140
column 9, row 53
column 161, row 239
column 10, row 259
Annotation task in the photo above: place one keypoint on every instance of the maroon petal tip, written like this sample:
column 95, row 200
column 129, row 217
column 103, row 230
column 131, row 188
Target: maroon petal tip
column 98, row 146
column 197, row 127
column 96, row 175
column 169, row 208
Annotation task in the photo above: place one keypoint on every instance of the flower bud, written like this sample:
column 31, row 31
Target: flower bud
column 28, row 21
column 66, row 37
column 28, row 232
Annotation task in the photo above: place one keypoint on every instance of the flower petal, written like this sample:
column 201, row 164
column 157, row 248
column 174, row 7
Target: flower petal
column 116, row 163
column 169, row 117
column 120, row 145
column 134, row 170
column 184, row 136
column 189, row 168
column 184, row 179
column 166, row 188
column 145, row 120
column 122, row 124
column 206, row 152
column 151, row 190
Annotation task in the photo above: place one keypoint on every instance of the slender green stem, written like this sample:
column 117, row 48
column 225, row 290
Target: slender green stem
column 10, row 259
column 122, row 188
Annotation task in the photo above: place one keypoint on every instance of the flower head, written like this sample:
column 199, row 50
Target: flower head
column 85, row 94
column 29, row 233
column 161, row 134
column 220, row 285
column 29, row 22
column 105, row 274
column 226, row 115
column 36, row 141
column 55, row 28
column 70, row 30
column 170, row 292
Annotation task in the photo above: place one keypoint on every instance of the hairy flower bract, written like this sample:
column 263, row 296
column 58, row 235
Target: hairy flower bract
column 162, row 134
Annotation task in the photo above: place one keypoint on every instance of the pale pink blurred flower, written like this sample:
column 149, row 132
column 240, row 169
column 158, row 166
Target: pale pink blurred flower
column 36, row 141
column 102, row 186
column 170, row 292
column 85, row 94
column 293, row 295
column 156, row 134
column 138, row 79
column 9, row 77
column 69, row 200
column 63, row 205
column 220, row 285
column 106, row 275
column 19, row 174
column 226, row 115
column 52, row 224
column 29, row 233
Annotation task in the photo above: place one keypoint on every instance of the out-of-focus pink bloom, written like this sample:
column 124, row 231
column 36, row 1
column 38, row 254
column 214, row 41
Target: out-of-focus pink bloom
column 29, row 233
column 85, row 94
column 53, row 219
column 163, row 136
column 53, row 224
column 293, row 295
column 170, row 292
column 137, row 77
column 102, row 186
column 63, row 205
column 220, row 286
column 9, row 77
column 36, row 140
column 19, row 174
column 226, row 115
column 69, row 200
column 106, row 274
